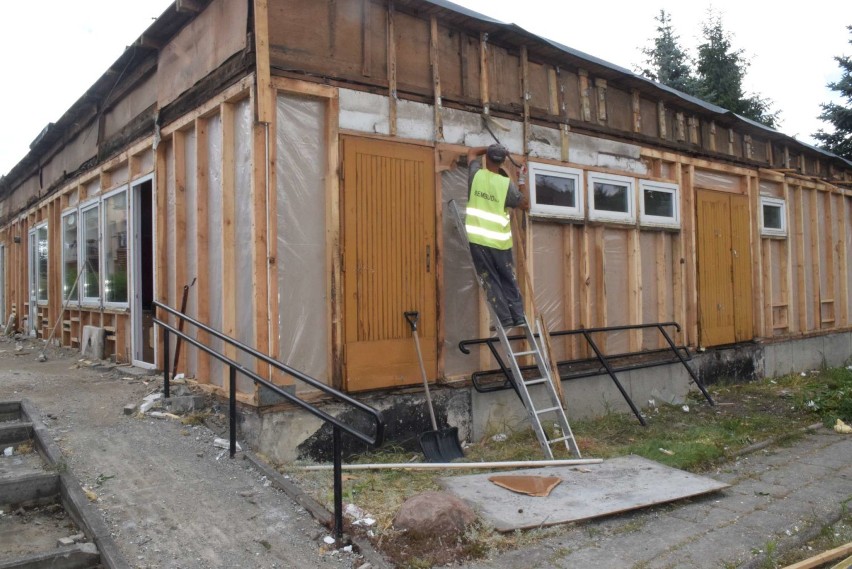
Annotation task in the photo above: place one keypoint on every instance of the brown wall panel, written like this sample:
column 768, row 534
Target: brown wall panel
column 570, row 94
column 619, row 107
column 413, row 70
column 450, row 43
column 648, row 109
column 539, row 88
column 131, row 105
column 504, row 78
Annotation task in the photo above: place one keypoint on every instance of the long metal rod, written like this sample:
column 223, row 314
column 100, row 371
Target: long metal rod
column 375, row 440
column 232, row 408
column 611, row 373
column 689, row 369
column 457, row 465
column 165, row 363
column 338, row 482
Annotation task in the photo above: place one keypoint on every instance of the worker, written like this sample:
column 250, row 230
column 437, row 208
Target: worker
column 489, row 231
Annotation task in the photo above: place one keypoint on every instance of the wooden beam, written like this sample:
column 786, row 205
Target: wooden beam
column 552, row 92
column 688, row 258
column 366, row 40
column 392, row 95
column 759, row 325
column 767, row 284
column 260, row 277
column 731, row 141
column 843, row 260
column 178, row 168
column 585, row 104
column 712, row 136
column 680, row 127
column 600, row 87
column 160, row 247
column 823, row 558
column 787, row 275
column 801, row 281
column 229, row 250
column 483, row 73
column 436, row 80
column 817, row 293
column 662, row 131
column 334, row 249
column 525, row 97
column 599, row 280
column 637, row 110
column 264, row 94
column 570, row 279
column 832, row 248
column 202, row 244
column 634, row 286
column 661, row 241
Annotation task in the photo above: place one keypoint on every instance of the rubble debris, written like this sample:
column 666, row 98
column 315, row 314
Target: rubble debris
column 225, row 444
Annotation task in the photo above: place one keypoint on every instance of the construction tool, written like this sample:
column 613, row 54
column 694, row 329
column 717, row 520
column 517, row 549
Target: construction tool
column 438, row 445
column 537, row 349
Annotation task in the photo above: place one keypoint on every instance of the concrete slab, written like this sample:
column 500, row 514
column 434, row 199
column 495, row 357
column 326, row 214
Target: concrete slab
column 614, row 486
column 80, row 556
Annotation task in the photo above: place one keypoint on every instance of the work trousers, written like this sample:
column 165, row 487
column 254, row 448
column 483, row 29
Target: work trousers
column 496, row 270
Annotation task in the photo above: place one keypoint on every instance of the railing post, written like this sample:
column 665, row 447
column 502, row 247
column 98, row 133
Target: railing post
column 338, row 484
column 166, row 363
column 232, row 382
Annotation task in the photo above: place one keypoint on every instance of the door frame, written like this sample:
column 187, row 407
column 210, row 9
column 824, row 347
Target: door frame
column 136, row 335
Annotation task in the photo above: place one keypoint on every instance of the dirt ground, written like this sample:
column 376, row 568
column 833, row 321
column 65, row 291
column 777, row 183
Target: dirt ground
column 170, row 498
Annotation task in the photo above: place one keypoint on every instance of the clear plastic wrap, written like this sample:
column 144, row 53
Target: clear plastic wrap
column 771, row 189
column 461, row 296
column 214, row 240
column 245, row 313
column 718, row 181
column 191, row 201
column 617, row 289
column 301, row 213
column 549, row 276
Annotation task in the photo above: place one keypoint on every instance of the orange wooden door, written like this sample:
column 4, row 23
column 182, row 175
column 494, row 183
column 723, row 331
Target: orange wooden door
column 388, row 262
column 724, row 268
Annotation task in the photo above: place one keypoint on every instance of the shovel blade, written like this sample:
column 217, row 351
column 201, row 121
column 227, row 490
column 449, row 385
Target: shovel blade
column 442, row 445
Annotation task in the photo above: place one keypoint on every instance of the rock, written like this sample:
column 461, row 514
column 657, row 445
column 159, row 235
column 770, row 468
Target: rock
column 130, row 409
column 434, row 514
column 64, row 542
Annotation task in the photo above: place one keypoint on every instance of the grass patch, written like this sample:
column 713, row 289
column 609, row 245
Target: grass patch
column 694, row 437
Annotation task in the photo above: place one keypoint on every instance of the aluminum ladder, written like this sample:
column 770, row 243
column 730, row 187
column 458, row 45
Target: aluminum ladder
column 544, row 375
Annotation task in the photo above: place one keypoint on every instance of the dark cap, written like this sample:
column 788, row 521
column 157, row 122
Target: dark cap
column 497, row 153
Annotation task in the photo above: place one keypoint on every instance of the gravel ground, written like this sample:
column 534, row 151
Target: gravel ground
column 170, row 498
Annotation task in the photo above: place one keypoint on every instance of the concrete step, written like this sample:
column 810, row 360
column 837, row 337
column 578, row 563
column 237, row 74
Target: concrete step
column 77, row 556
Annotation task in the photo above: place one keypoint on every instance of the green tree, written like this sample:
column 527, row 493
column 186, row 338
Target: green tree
column 667, row 62
column 840, row 116
column 721, row 69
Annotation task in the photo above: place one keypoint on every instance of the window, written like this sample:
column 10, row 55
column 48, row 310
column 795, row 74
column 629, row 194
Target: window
column 90, row 254
column 70, row 282
column 41, row 263
column 659, row 204
column 773, row 216
column 610, row 197
column 115, row 247
column 555, row 190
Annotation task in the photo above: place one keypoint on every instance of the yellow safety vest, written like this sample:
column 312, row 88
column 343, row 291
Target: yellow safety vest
column 487, row 222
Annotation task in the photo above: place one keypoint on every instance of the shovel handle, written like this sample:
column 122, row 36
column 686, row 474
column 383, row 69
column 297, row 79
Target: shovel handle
column 412, row 318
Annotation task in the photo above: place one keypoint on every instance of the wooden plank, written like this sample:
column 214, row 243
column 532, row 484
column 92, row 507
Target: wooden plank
column 552, row 91
column 766, row 273
column 178, row 168
column 787, row 274
column 264, row 103
column 260, row 198
column 842, row 256
column 585, row 103
column 202, row 243
column 637, row 110
column 801, row 269
column 436, row 80
column 662, row 290
column 712, row 136
column 366, row 40
column 392, row 96
column 759, row 291
column 525, row 96
column 832, row 249
column 817, row 294
column 162, row 268
column 569, row 287
column 822, row 558
column 662, row 131
column 688, row 255
column 229, row 250
column 599, row 280
column 483, row 73
column 334, row 253
column 634, row 286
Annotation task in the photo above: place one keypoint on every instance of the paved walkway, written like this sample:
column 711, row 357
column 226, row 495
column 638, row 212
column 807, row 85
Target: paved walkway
column 778, row 499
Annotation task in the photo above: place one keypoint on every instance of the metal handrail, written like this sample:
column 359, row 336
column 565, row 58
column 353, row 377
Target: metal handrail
column 374, row 440
column 599, row 356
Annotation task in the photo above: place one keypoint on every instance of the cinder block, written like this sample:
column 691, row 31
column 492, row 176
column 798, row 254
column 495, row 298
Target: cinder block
column 93, row 342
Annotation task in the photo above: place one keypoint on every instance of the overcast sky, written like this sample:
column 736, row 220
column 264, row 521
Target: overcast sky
column 52, row 51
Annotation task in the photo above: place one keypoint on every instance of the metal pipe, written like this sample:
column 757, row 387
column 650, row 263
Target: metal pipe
column 689, row 369
column 232, row 408
column 338, row 483
column 166, row 363
column 458, row 465
column 611, row 373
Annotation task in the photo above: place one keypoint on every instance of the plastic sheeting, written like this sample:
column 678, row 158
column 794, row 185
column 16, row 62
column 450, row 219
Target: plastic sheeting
column 243, row 119
column 301, row 213
column 214, row 241
column 617, row 289
column 191, row 188
column 461, row 298
column 718, row 181
column 772, row 189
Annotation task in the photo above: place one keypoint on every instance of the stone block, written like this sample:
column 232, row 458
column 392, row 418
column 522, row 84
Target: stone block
column 93, row 342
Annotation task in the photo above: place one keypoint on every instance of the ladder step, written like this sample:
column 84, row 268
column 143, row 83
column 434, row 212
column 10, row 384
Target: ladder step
column 536, row 381
column 547, row 410
column 519, row 354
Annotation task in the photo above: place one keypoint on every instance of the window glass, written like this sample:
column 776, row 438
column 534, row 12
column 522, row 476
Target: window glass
column 69, row 256
column 555, row 190
column 115, row 248
column 41, row 238
column 771, row 216
column 90, row 256
column 611, row 197
column 659, row 204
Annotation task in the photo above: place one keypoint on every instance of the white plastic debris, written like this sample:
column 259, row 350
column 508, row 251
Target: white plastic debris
column 225, row 443
column 353, row 511
column 685, row 408
column 149, row 401
column 364, row 522
column 499, row 437
column 803, row 374
column 8, row 451
column 328, row 539
column 348, row 549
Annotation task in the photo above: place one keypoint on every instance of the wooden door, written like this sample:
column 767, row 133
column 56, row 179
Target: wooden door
column 388, row 262
column 724, row 269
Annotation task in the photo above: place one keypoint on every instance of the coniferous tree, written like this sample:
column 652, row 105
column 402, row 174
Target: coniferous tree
column 840, row 116
column 667, row 62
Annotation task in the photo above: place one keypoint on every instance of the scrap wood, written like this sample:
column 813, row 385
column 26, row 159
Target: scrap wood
column 538, row 486
column 823, row 558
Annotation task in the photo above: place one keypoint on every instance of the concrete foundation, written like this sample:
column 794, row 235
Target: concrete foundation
column 288, row 435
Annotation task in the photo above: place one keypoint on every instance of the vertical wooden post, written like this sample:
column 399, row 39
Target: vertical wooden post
column 229, row 250
column 334, row 252
column 569, row 286
column 760, row 325
column 263, row 80
column 585, row 104
column 259, row 250
column 843, row 264
column 680, row 127
column 792, row 325
column 830, row 262
column 366, row 40
column 634, row 285
column 637, row 110
column 436, row 79
column 662, row 290
column 392, row 98
column 817, row 294
column 801, row 269
column 202, row 242
column 662, row 130
column 160, row 212
column 689, row 254
column 600, row 87
column 525, row 98
column 767, row 285
column 712, row 136
column 179, row 230
column 483, row 73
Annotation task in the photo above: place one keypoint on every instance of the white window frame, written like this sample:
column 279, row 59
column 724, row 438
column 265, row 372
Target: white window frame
column 102, row 232
column 81, row 246
column 76, row 297
column 37, row 229
column 659, row 220
column 550, row 210
column 773, row 231
column 603, row 215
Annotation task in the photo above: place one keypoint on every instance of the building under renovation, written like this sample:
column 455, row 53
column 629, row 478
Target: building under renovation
column 289, row 164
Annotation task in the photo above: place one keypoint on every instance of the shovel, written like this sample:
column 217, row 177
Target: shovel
column 438, row 445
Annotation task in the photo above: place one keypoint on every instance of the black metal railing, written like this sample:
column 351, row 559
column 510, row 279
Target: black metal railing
column 375, row 439
column 606, row 361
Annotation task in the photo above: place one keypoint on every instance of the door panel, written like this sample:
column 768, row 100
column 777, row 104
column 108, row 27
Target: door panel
column 389, row 250
column 724, row 268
